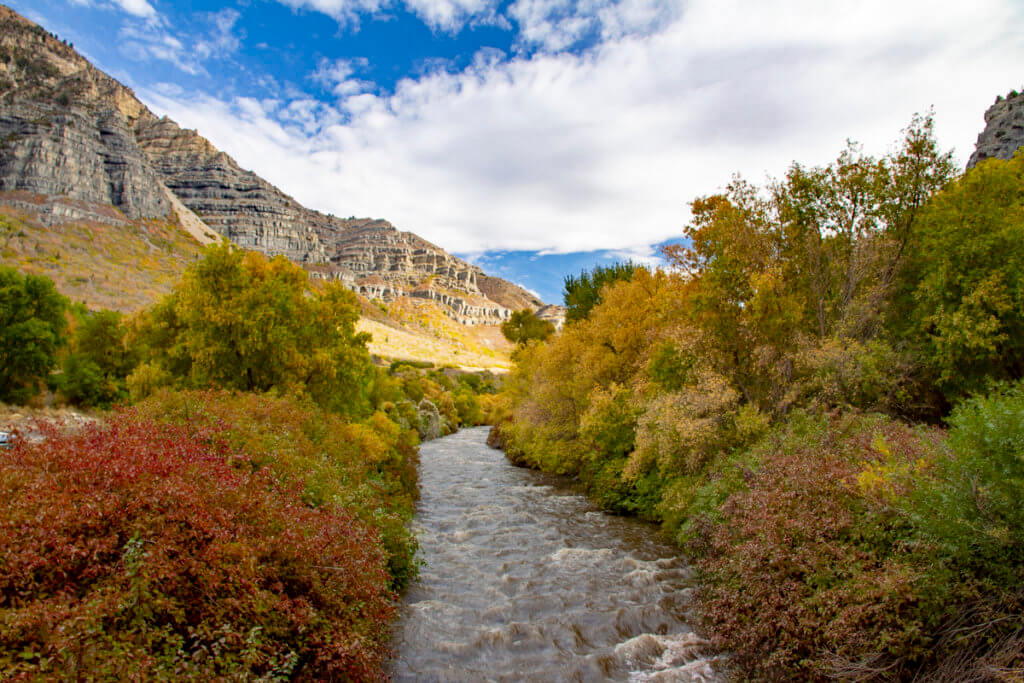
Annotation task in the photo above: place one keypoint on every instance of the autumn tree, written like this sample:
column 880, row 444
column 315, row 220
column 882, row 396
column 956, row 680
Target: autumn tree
column 807, row 262
column 241, row 321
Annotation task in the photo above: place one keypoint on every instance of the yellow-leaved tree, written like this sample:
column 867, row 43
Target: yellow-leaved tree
column 239, row 320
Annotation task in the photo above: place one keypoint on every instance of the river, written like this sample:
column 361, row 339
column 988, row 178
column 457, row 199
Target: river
column 524, row 579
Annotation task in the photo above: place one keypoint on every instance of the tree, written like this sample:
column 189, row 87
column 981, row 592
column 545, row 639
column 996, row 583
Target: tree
column 99, row 362
column 582, row 293
column 240, row 321
column 809, row 263
column 32, row 328
column 961, row 298
column 525, row 326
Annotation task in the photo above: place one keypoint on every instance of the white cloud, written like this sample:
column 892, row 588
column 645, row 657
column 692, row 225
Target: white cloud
column 138, row 8
column 603, row 149
column 452, row 15
column 152, row 39
column 346, row 12
column 221, row 40
column 554, row 25
column 336, row 76
column 448, row 16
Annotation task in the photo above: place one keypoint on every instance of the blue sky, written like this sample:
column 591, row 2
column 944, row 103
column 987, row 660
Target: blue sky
column 538, row 137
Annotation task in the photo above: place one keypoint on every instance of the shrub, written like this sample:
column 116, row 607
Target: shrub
column 139, row 551
column 974, row 509
column 805, row 579
column 367, row 469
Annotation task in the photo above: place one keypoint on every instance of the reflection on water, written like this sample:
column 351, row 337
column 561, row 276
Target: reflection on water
column 525, row 580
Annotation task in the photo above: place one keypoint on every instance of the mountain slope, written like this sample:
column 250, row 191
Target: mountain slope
column 67, row 129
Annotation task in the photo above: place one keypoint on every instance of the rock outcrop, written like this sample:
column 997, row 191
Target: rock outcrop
column 67, row 129
column 553, row 314
column 507, row 294
column 1004, row 130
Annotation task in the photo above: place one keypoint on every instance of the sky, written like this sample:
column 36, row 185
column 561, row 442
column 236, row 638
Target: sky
column 537, row 138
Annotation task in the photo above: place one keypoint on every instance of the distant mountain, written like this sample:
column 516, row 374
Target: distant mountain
column 69, row 130
column 1004, row 129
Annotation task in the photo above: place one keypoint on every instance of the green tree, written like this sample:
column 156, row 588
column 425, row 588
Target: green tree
column 95, row 370
column 32, row 326
column 582, row 293
column 240, row 321
column 961, row 298
column 525, row 326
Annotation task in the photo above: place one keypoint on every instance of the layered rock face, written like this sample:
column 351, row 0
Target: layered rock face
column 507, row 294
column 236, row 203
column 67, row 129
column 1004, row 130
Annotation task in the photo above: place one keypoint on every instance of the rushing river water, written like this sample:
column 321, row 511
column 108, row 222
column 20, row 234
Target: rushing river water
column 526, row 580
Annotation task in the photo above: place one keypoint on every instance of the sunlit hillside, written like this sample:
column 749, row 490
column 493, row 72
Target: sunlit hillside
column 417, row 329
column 101, row 259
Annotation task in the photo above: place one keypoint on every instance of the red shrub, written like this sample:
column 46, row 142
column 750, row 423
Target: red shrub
column 803, row 578
column 137, row 551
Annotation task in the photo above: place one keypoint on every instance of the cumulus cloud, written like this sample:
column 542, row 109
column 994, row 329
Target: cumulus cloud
column 346, row 12
column 138, row 8
column 555, row 25
column 601, row 148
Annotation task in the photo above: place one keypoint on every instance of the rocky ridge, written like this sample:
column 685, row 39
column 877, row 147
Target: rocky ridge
column 1004, row 130
column 67, row 129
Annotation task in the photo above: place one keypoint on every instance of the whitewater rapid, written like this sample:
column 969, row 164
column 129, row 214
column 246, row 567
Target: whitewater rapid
column 523, row 579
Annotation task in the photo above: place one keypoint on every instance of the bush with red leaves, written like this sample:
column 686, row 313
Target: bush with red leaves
column 137, row 551
column 833, row 559
column 802, row 575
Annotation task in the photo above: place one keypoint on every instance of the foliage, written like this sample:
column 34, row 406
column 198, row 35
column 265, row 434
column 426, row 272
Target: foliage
column 748, row 400
column 969, row 506
column 812, row 263
column 143, row 550
column 854, row 546
column 524, row 326
column 99, row 359
column 581, row 294
column 32, row 326
column 803, row 578
column 240, row 321
column 962, row 294
column 367, row 469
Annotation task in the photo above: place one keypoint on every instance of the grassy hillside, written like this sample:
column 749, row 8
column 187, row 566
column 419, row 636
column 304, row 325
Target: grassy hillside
column 417, row 329
column 110, row 263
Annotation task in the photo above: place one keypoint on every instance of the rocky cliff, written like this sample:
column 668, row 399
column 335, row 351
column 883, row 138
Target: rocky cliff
column 1004, row 129
column 67, row 129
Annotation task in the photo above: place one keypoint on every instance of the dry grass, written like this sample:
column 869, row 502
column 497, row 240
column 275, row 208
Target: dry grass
column 120, row 267
column 417, row 329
